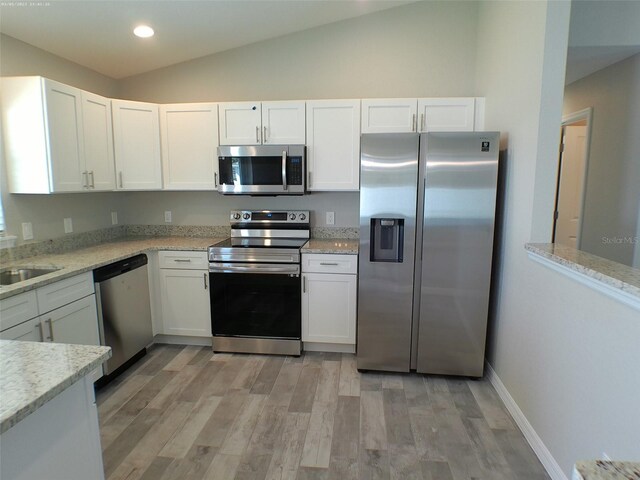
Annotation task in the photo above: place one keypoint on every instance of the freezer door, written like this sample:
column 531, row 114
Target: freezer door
column 457, row 244
column 388, row 176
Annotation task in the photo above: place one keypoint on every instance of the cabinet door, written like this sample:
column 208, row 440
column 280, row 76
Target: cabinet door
column 185, row 302
column 333, row 145
column 240, row 123
column 189, row 135
column 329, row 308
column 283, row 123
column 136, row 138
column 75, row 323
column 389, row 115
column 446, row 114
column 98, row 143
column 64, row 127
column 30, row 330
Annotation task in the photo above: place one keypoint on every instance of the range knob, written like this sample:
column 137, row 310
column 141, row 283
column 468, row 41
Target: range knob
column 292, row 216
column 246, row 216
column 236, row 216
column 302, row 217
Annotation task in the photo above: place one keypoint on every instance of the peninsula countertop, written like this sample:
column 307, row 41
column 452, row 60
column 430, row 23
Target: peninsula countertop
column 35, row 372
column 83, row 260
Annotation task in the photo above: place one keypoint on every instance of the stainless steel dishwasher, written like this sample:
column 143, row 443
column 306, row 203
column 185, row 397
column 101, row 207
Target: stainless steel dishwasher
column 124, row 311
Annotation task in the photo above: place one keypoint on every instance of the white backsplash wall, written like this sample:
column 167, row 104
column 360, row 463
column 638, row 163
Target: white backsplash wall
column 211, row 208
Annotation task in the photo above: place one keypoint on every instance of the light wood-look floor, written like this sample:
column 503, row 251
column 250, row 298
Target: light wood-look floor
column 184, row 413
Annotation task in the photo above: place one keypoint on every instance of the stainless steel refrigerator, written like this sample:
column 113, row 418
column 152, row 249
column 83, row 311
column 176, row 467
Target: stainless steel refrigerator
column 427, row 209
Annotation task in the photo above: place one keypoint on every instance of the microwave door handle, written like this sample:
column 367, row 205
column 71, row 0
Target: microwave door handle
column 284, row 169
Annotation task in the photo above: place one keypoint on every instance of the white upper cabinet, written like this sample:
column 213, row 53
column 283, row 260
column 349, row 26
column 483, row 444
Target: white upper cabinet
column 446, row 114
column 255, row 123
column 42, row 123
column 58, row 138
column 406, row 115
column 189, row 134
column 98, row 143
column 136, row 139
column 389, row 115
column 283, row 123
column 333, row 145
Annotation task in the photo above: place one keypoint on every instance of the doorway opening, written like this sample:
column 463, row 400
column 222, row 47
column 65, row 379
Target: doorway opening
column 571, row 182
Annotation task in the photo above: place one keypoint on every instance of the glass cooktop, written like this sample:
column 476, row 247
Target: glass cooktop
column 261, row 242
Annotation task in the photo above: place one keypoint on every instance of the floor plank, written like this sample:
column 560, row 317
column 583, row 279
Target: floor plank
column 185, row 413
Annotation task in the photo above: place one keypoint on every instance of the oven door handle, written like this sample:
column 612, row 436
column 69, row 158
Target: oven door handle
column 254, row 268
column 284, row 170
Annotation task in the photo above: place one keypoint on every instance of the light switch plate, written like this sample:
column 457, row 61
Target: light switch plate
column 167, row 216
column 114, row 218
column 331, row 218
column 27, row 231
column 68, row 225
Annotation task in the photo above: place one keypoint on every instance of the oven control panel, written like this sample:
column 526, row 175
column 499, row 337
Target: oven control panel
column 270, row 216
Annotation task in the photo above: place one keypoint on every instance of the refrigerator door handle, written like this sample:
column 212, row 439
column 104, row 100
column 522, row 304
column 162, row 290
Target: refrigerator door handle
column 424, row 199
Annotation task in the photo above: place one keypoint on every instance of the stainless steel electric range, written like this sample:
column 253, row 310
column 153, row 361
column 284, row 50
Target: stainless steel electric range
column 255, row 283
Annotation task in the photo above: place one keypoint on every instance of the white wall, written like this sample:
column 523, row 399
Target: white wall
column 565, row 353
column 421, row 49
column 612, row 200
column 89, row 211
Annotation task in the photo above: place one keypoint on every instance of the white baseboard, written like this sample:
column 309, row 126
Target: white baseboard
column 182, row 340
column 328, row 347
column 538, row 446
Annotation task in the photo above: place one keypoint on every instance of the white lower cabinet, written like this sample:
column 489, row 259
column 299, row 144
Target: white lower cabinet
column 329, row 299
column 184, row 288
column 67, row 314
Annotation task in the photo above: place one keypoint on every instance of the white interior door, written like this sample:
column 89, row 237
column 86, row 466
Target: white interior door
column 571, row 185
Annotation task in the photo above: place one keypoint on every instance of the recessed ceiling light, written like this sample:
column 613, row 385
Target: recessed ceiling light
column 143, row 31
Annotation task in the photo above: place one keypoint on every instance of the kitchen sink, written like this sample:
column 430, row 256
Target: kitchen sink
column 9, row 276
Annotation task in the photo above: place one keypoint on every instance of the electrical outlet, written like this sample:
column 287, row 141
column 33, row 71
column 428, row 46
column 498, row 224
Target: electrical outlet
column 167, row 216
column 27, row 231
column 331, row 218
column 68, row 225
column 114, row 218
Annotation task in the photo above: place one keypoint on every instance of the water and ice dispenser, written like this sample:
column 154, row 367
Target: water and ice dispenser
column 387, row 239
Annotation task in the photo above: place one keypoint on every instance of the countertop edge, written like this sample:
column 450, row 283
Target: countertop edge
column 66, row 272
column 14, row 417
column 614, row 279
column 333, row 246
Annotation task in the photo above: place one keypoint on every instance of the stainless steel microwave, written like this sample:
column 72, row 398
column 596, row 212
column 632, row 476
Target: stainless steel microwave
column 261, row 170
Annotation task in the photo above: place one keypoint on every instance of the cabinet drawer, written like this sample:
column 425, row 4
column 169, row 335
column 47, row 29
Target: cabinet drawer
column 184, row 260
column 64, row 292
column 329, row 263
column 17, row 309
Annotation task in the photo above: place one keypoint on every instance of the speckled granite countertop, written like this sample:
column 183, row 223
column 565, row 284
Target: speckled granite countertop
column 342, row 246
column 606, row 470
column 613, row 274
column 32, row 373
column 86, row 259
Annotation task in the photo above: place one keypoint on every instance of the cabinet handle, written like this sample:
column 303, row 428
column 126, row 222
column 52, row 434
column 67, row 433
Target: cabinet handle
column 257, row 134
column 93, row 184
column 41, row 331
column 182, row 260
column 120, row 177
column 329, row 264
column 50, row 322
column 264, row 137
column 206, row 287
column 215, row 179
column 85, row 182
column 309, row 185
column 304, row 284
column 422, row 122
column 413, row 123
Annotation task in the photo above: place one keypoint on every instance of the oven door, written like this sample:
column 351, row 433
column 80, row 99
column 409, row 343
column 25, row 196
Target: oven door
column 261, row 170
column 255, row 300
